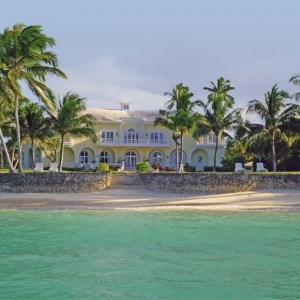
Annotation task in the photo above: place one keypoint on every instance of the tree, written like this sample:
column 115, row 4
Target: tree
column 34, row 126
column 182, row 118
column 69, row 118
column 164, row 120
column 4, row 122
column 217, row 119
column 24, row 58
column 277, row 115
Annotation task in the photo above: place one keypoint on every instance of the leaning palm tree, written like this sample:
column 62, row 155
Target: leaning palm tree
column 24, row 58
column 277, row 115
column 69, row 118
column 217, row 118
column 5, row 122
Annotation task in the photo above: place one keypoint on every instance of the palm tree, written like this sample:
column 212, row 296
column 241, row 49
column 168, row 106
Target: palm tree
column 277, row 115
column 5, row 121
column 24, row 58
column 164, row 120
column 217, row 119
column 69, row 118
column 182, row 117
column 35, row 126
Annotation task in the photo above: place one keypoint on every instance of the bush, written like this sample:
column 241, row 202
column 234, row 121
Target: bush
column 210, row 169
column 143, row 166
column 169, row 169
column 104, row 167
column 157, row 166
column 188, row 168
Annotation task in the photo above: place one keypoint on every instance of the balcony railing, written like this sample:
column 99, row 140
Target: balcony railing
column 204, row 142
column 135, row 142
column 67, row 142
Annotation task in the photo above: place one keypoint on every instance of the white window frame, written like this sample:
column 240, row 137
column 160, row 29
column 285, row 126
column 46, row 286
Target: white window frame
column 157, row 136
column 86, row 158
column 107, row 135
column 106, row 158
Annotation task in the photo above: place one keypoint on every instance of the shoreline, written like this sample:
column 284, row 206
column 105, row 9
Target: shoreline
column 138, row 200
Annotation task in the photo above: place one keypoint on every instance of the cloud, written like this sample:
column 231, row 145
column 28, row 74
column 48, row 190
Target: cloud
column 105, row 84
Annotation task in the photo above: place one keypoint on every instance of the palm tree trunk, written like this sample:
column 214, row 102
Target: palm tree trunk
column 181, row 152
column 18, row 132
column 61, row 154
column 32, row 155
column 216, row 150
column 10, row 166
column 273, row 152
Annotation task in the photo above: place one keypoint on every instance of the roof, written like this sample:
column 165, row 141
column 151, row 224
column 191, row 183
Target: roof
column 116, row 114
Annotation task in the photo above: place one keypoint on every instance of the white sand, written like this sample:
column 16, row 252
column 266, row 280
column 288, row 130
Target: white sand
column 146, row 199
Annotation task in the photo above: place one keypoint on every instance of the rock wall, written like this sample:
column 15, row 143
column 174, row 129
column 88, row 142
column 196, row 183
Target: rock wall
column 195, row 183
column 54, row 182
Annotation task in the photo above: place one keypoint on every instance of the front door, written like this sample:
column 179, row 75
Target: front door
column 130, row 160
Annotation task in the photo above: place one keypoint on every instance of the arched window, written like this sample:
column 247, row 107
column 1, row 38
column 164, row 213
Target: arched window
column 84, row 157
column 131, row 136
column 104, row 157
column 157, row 157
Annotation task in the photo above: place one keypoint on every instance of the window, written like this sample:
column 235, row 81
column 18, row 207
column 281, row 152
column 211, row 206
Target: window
column 157, row 157
column 156, row 137
column 131, row 136
column 107, row 135
column 104, row 157
column 210, row 138
column 84, row 157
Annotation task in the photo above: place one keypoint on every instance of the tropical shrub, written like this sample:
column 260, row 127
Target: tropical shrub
column 188, row 168
column 169, row 169
column 157, row 166
column 143, row 166
column 104, row 167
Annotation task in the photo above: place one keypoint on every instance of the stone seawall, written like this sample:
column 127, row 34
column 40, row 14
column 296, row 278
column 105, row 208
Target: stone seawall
column 195, row 183
column 54, row 182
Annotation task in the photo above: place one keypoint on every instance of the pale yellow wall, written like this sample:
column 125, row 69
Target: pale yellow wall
column 71, row 153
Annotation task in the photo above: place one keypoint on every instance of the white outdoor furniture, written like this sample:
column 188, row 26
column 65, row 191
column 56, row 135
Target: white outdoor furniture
column 53, row 167
column 238, row 167
column 122, row 167
column 39, row 167
column 260, row 167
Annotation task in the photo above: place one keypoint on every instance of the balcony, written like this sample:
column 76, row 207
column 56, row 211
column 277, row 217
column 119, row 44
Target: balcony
column 205, row 143
column 134, row 142
column 68, row 142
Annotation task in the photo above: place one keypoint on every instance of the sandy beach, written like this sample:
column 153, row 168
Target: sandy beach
column 146, row 199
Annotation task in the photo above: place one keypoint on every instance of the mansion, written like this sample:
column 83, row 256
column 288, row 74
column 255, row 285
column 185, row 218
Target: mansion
column 130, row 136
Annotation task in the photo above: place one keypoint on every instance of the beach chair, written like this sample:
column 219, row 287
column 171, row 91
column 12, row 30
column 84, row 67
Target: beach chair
column 260, row 167
column 239, row 167
column 38, row 167
column 53, row 167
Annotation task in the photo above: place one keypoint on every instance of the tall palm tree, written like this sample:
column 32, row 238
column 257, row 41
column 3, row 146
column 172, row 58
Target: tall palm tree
column 5, row 121
column 164, row 120
column 217, row 118
column 34, row 126
column 179, row 114
column 24, row 58
column 69, row 118
column 277, row 115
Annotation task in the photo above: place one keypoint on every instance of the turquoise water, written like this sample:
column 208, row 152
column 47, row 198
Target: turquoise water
column 149, row 255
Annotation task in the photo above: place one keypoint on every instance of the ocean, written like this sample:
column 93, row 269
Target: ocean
column 161, row 254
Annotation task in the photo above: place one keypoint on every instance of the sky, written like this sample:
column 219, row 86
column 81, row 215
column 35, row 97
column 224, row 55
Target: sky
column 114, row 51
